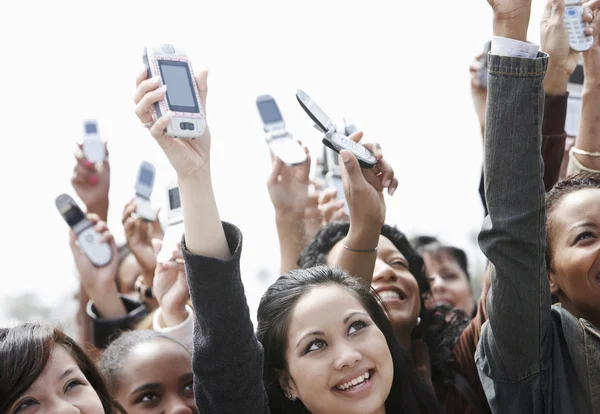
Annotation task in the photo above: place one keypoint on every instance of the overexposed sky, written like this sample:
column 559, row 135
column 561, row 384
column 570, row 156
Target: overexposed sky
column 398, row 70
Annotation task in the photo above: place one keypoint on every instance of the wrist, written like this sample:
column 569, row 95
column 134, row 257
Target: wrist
column 287, row 216
column 173, row 317
column 100, row 208
column 363, row 239
column 199, row 178
column 556, row 81
column 510, row 29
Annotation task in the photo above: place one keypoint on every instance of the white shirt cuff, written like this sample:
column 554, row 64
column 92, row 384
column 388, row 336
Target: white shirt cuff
column 502, row 46
column 184, row 332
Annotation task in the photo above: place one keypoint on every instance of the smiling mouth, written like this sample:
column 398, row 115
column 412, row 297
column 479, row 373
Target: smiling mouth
column 392, row 295
column 356, row 383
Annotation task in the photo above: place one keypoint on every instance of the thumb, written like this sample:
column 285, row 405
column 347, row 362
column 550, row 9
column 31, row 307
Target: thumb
column 351, row 171
column 157, row 246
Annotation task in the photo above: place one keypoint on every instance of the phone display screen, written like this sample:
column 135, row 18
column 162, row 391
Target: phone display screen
column 146, row 177
column 180, row 89
column 72, row 214
column 269, row 112
column 174, row 200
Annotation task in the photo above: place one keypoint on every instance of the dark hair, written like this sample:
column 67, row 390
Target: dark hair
column 563, row 188
column 24, row 353
column 113, row 357
column 429, row 244
column 440, row 327
column 408, row 394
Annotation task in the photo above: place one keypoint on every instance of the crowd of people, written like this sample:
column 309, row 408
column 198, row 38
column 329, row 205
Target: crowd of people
column 362, row 319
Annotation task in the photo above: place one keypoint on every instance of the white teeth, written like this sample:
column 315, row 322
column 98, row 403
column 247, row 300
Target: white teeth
column 355, row 381
column 389, row 294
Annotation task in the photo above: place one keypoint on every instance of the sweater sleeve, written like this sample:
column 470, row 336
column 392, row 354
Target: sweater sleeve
column 553, row 137
column 104, row 330
column 227, row 357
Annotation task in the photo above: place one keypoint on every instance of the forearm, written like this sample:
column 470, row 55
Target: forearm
column 292, row 239
column 203, row 228
column 553, row 137
column 359, row 264
column 107, row 302
column 588, row 138
column 100, row 208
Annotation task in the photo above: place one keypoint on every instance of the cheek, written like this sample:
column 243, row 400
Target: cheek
column 89, row 402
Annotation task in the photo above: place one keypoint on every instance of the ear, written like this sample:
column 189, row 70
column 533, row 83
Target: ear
column 554, row 288
column 288, row 386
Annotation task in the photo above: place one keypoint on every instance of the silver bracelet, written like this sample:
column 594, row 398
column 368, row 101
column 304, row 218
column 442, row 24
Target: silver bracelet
column 582, row 152
column 357, row 250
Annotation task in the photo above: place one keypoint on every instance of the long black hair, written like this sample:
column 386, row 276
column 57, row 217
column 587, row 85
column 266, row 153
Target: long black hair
column 440, row 327
column 408, row 394
column 24, row 353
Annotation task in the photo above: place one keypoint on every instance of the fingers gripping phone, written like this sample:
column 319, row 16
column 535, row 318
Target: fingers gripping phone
column 93, row 147
column 281, row 141
column 174, row 69
column 576, row 26
column 335, row 140
column 175, row 227
column 89, row 241
column 482, row 74
column 143, row 190
column 574, row 87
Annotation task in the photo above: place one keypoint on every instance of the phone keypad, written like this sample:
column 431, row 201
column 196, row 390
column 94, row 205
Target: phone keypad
column 361, row 152
column 575, row 27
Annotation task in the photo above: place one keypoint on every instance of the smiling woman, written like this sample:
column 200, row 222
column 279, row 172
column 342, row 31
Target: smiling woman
column 43, row 370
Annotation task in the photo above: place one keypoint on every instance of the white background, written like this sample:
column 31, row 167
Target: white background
column 399, row 70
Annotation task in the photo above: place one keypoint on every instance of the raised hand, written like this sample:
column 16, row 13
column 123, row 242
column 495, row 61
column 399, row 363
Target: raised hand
column 99, row 282
column 331, row 208
column 170, row 287
column 187, row 156
column 478, row 91
column 139, row 240
column 91, row 183
column 511, row 18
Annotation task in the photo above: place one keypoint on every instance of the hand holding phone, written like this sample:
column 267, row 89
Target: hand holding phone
column 91, row 243
column 143, row 190
column 574, row 21
column 173, row 68
column 333, row 139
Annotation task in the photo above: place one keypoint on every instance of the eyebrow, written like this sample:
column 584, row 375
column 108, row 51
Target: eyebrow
column 186, row 377
column 66, row 373
column 146, row 387
column 584, row 224
column 316, row 333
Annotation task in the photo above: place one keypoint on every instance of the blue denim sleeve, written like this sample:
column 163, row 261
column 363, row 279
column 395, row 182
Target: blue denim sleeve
column 515, row 344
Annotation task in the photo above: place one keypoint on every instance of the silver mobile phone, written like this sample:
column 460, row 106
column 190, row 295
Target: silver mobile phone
column 334, row 139
column 175, row 228
column 89, row 241
column 93, row 147
column 143, row 190
column 279, row 139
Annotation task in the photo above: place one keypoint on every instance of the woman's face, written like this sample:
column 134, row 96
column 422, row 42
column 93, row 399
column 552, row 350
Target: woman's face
column 394, row 283
column 449, row 283
column 156, row 377
column 575, row 268
column 60, row 388
column 338, row 359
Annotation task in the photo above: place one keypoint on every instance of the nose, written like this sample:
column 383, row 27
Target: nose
column 347, row 356
column 178, row 405
column 383, row 272
column 436, row 283
column 61, row 406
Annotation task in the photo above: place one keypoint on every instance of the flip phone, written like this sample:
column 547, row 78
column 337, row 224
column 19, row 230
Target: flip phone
column 576, row 27
column 93, row 147
column 143, row 190
column 175, row 227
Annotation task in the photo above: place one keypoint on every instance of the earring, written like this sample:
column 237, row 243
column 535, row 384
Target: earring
column 288, row 395
column 418, row 320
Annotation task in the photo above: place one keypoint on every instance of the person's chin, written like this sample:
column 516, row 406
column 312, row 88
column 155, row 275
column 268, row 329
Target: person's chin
column 402, row 319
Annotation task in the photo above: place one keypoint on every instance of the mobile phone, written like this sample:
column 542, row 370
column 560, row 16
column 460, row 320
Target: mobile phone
column 482, row 74
column 574, row 87
column 333, row 177
column 576, row 26
column 174, row 69
column 93, row 147
column 175, row 228
column 143, row 190
column 88, row 239
column 281, row 141
column 335, row 140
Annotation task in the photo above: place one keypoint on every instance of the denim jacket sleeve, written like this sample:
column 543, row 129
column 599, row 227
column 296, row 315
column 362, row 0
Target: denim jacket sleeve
column 515, row 345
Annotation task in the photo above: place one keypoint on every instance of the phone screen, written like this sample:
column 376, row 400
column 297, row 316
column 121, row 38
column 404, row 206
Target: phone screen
column 180, row 89
column 269, row 112
column 174, row 200
column 72, row 214
column 146, row 177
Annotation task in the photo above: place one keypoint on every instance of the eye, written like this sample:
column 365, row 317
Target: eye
column 25, row 404
column 72, row 384
column 449, row 276
column 356, row 326
column 147, row 397
column 315, row 345
column 585, row 235
column 188, row 390
column 399, row 264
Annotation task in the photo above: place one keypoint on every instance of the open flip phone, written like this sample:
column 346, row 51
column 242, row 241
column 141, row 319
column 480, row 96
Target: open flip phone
column 92, row 147
column 280, row 140
column 173, row 67
column 143, row 190
column 335, row 140
column 89, row 241
column 576, row 26
column 574, row 87
column 175, row 227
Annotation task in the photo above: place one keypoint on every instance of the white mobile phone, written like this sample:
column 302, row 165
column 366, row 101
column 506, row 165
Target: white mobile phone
column 93, row 147
column 89, row 241
column 281, row 141
column 575, row 25
column 174, row 69
column 143, row 190
column 335, row 140
column 175, row 227
column 574, row 87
